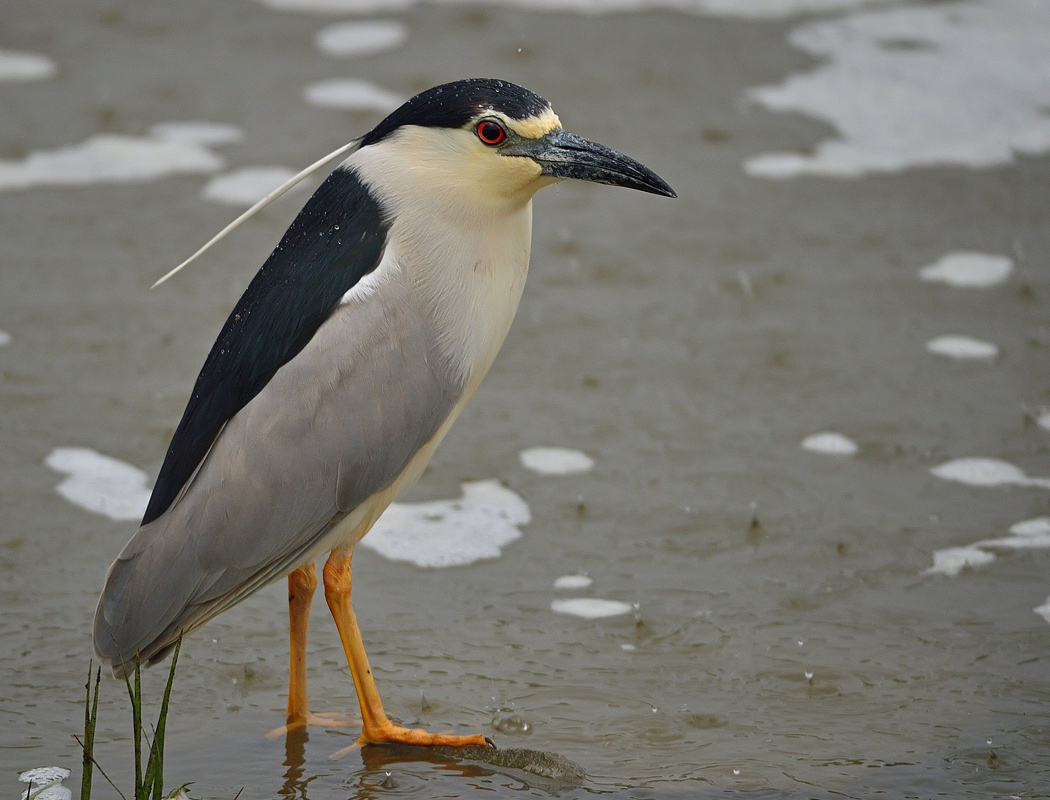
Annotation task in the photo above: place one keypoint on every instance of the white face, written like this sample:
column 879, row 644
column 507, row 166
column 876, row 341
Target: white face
column 462, row 167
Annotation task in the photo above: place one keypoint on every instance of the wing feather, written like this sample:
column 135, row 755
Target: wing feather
column 336, row 239
column 335, row 426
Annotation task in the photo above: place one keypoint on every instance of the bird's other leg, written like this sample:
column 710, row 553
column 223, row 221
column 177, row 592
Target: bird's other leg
column 377, row 728
column 301, row 585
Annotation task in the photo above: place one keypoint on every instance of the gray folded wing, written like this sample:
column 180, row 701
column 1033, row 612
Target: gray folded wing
column 335, row 425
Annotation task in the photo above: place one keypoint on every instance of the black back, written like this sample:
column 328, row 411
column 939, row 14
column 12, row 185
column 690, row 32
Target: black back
column 336, row 239
column 452, row 105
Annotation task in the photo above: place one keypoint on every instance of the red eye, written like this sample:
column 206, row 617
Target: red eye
column 490, row 132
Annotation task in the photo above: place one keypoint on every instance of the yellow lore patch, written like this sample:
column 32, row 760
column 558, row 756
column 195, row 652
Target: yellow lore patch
column 535, row 127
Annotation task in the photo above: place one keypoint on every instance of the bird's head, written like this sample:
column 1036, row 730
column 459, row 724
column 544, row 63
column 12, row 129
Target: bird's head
column 492, row 141
column 475, row 146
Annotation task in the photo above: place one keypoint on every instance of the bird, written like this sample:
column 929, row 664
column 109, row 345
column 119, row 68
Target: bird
column 339, row 371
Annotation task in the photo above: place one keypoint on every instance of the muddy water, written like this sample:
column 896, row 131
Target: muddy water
column 783, row 636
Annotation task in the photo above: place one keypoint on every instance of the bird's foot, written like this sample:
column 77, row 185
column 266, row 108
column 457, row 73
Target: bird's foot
column 300, row 722
column 389, row 733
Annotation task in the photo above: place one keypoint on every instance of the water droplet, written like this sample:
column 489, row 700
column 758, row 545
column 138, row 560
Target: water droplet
column 511, row 724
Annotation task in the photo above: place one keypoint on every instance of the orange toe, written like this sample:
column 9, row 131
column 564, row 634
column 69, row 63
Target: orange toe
column 417, row 737
column 310, row 719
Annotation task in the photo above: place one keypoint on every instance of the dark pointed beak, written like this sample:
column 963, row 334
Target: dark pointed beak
column 565, row 155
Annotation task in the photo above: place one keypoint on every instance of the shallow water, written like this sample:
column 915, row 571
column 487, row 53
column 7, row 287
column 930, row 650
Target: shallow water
column 790, row 637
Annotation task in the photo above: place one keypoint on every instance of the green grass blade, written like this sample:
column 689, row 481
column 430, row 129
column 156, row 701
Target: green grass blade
column 162, row 721
column 135, row 693
column 102, row 772
column 88, row 745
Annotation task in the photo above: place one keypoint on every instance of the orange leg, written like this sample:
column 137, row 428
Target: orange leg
column 301, row 585
column 377, row 727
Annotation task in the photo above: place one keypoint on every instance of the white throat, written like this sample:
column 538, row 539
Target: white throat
column 464, row 248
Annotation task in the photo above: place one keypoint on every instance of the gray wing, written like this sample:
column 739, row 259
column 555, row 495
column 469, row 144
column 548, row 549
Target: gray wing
column 334, row 426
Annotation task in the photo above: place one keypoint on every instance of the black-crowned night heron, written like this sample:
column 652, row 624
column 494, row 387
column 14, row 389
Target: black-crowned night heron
column 341, row 368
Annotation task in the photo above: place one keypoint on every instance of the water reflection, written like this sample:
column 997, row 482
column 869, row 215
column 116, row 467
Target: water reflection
column 295, row 782
column 384, row 768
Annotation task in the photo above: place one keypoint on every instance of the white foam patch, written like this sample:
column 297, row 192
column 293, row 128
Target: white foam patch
column 361, row 38
column 965, row 270
column 352, row 94
column 243, row 187
column 197, row 132
column 1031, row 534
column 754, row 9
column 49, row 777
column 1027, row 535
column 99, row 483
column 1038, row 526
column 941, row 84
column 830, row 443
column 591, row 607
column 986, row 472
column 1043, row 610
column 1043, row 420
column 573, row 582
column 962, row 348
column 339, row 6
column 18, row 67
column 5, row 338
column 107, row 158
column 451, row 533
column 953, row 560
column 556, row 460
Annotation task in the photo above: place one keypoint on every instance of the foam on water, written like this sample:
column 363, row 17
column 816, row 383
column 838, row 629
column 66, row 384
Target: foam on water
column 99, row 483
column 962, row 348
column 830, row 443
column 986, row 472
column 953, row 560
column 1031, row 534
column 243, row 187
column 50, row 777
column 591, row 607
column 197, row 132
column 1043, row 610
column 573, row 582
column 967, row 270
column 1043, row 420
column 941, row 84
column 5, row 338
column 361, row 38
column 18, row 67
column 450, row 533
column 353, row 94
column 555, row 460
column 108, row 158
column 754, row 9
